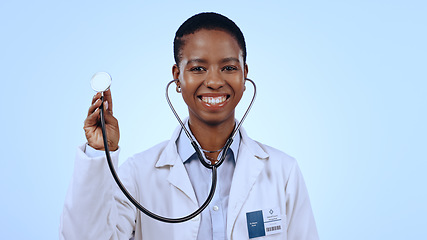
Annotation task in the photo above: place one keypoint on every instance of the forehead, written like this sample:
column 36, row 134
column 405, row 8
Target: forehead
column 210, row 43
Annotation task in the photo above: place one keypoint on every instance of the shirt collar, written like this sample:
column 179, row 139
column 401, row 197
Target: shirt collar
column 186, row 150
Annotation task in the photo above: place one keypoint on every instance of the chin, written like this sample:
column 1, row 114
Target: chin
column 216, row 119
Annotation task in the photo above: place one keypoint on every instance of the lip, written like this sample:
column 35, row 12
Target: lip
column 214, row 101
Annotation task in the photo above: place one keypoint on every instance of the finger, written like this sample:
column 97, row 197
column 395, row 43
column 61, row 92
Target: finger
column 96, row 97
column 92, row 119
column 109, row 118
column 109, row 99
column 94, row 106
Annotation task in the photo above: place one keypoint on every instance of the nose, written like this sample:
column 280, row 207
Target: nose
column 214, row 80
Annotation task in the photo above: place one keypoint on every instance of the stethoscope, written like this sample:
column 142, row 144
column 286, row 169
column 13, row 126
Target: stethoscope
column 101, row 82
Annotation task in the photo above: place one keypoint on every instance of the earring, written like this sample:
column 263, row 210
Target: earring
column 178, row 89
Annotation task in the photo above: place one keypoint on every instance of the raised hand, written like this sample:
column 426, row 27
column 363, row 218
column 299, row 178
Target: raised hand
column 92, row 124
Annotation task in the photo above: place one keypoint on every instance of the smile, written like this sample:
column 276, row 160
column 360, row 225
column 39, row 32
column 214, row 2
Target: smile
column 214, row 100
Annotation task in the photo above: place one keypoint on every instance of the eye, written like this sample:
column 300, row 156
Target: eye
column 229, row 68
column 197, row 69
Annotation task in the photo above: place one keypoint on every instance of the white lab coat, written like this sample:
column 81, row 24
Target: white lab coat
column 264, row 178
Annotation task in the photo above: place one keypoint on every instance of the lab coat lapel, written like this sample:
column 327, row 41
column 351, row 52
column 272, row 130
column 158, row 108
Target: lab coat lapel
column 250, row 162
column 178, row 176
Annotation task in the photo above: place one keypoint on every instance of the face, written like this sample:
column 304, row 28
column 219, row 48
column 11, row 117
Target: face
column 211, row 75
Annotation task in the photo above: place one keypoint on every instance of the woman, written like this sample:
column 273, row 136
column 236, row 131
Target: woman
column 260, row 192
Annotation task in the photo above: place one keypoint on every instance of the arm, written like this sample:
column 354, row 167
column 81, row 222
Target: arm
column 93, row 208
column 301, row 224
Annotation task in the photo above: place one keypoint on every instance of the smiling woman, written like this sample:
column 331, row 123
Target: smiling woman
column 260, row 192
column 211, row 75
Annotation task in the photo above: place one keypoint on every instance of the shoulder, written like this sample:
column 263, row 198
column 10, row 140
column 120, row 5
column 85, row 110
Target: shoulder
column 153, row 153
column 276, row 162
column 275, row 153
column 146, row 159
column 278, row 159
column 264, row 151
column 160, row 156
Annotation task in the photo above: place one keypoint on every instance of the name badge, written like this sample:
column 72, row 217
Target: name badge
column 264, row 222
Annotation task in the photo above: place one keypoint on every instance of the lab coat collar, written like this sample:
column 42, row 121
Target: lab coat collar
column 253, row 147
column 170, row 154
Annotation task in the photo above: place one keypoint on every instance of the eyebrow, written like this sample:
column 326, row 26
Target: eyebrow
column 200, row 60
column 196, row 60
column 230, row 59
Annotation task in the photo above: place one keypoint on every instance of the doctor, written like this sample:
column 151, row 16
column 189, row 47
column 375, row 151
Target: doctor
column 260, row 194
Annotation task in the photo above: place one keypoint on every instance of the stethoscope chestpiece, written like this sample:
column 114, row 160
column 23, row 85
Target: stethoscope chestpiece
column 100, row 81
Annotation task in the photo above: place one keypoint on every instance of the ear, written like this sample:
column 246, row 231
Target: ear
column 175, row 71
column 246, row 74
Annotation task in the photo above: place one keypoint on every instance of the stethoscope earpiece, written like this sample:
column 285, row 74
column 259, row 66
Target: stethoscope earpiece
column 178, row 87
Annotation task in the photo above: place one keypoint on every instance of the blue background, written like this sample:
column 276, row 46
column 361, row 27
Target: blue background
column 342, row 87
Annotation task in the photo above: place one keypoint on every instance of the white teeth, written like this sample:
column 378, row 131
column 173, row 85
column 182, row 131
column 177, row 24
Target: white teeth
column 214, row 100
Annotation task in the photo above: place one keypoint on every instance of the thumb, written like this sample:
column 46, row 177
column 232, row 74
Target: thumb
column 108, row 113
column 108, row 107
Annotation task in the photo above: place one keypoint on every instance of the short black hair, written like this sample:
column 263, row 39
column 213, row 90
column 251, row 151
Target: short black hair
column 208, row 21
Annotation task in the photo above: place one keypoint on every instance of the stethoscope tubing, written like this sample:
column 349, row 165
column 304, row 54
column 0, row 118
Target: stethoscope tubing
column 134, row 201
column 195, row 146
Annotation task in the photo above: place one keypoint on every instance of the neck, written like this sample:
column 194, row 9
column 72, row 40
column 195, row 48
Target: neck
column 211, row 137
